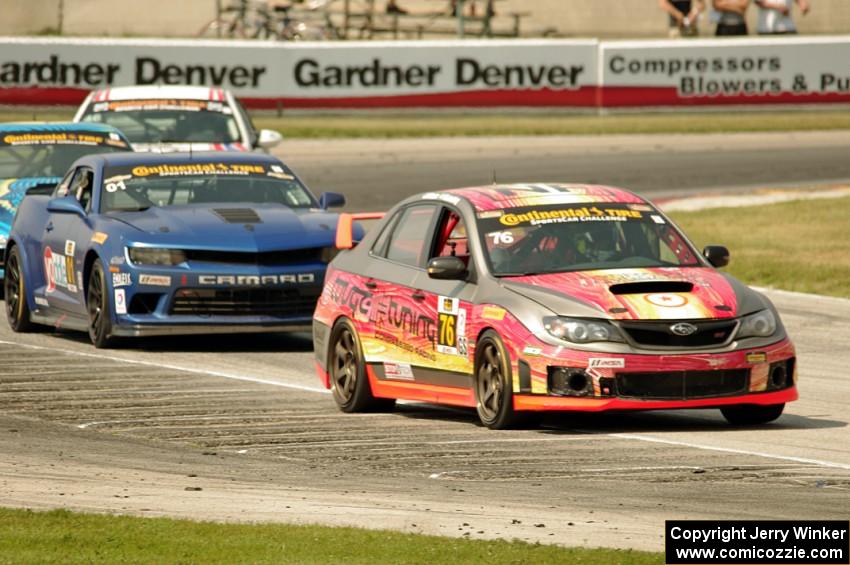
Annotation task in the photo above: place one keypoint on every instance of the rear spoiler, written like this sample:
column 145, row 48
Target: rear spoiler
column 345, row 227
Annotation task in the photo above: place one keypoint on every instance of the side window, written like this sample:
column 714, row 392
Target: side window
column 246, row 118
column 411, row 240
column 380, row 247
column 62, row 187
column 451, row 240
column 82, row 186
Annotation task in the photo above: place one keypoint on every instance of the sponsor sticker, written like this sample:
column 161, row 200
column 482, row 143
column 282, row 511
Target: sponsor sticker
column 493, row 313
column 606, row 363
column 117, row 260
column 532, row 351
column 755, row 358
column 398, row 371
column 121, row 279
column 451, row 327
column 536, row 217
column 666, row 300
column 41, row 301
column 155, row 280
column 657, row 219
column 99, row 237
column 59, row 270
column 120, row 301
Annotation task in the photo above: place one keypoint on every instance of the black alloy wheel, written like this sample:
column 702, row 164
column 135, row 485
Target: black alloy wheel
column 14, row 288
column 97, row 303
column 349, row 382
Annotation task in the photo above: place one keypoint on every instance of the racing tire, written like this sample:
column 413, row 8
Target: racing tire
column 494, row 400
column 97, row 304
column 14, row 288
column 347, row 370
column 752, row 415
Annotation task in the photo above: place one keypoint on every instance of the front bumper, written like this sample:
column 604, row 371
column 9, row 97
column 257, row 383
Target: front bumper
column 564, row 379
column 216, row 299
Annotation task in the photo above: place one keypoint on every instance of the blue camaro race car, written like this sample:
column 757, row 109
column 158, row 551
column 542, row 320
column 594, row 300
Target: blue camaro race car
column 34, row 156
column 140, row 244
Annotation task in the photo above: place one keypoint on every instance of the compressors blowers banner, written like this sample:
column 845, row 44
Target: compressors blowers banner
column 477, row 73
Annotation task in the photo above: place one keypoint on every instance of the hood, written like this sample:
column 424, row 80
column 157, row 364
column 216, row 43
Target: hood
column 187, row 147
column 12, row 191
column 640, row 294
column 238, row 227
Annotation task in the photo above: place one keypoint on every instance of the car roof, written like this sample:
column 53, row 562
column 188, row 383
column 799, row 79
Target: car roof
column 159, row 92
column 33, row 127
column 501, row 196
column 130, row 159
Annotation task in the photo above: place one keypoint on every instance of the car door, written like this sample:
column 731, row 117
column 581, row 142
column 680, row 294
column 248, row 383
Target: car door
column 404, row 332
column 449, row 302
column 62, row 258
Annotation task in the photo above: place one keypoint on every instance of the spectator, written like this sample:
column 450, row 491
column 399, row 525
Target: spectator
column 731, row 17
column 393, row 8
column 775, row 16
column 683, row 16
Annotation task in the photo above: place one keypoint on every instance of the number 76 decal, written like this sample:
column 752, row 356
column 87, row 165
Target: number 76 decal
column 451, row 327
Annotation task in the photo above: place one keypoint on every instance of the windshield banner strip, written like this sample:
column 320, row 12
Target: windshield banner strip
column 61, row 138
column 199, row 169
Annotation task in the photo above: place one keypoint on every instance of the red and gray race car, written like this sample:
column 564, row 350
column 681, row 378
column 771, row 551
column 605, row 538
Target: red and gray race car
column 525, row 298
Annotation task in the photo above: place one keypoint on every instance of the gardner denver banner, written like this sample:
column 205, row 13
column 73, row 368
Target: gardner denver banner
column 303, row 75
column 728, row 71
column 373, row 74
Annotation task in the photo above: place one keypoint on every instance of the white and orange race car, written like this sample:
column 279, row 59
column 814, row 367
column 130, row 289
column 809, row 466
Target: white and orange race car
column 177, row 118
column 525, row 298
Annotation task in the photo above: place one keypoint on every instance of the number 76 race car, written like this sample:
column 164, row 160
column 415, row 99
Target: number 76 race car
column 139, row 244
column 527, row 298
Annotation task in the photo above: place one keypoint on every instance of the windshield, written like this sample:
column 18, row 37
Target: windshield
column 51, row 153
column 133, row 189
column 559, row 238
column 168, row 121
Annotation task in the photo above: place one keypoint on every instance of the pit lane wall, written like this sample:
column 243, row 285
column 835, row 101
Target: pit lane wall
column 520, row 73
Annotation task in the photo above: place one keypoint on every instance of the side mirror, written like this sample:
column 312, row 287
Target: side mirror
column 269, row 138
column 447, row 268
column 66, row 205
column 331, row 200
column 717, row 255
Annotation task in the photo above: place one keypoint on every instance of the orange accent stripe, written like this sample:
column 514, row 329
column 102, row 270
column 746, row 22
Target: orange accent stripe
column 324, row 376
column 544, row 403
column 453, row 396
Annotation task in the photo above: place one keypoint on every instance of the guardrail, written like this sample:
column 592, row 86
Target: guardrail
column 472, row 73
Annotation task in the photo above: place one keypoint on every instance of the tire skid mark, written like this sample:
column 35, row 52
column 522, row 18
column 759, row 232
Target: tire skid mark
column 179, row 405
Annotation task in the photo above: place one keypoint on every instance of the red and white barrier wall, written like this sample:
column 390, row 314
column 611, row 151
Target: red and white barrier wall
column 542, row 73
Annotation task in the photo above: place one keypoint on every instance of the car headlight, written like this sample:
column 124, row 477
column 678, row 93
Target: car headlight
column 155, row 256
column 760, row 324
column 581, row 331
column 328, row 254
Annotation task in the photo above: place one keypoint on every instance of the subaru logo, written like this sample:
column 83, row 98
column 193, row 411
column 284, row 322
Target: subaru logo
column 683, row 329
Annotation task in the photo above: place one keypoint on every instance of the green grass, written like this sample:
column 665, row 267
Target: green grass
column 802, row 246
column 432, row 125
column 65, row 537
column 458, row 123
